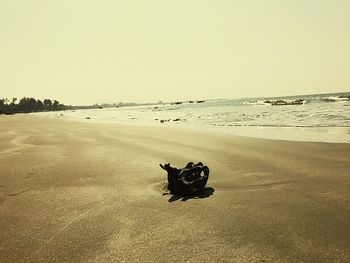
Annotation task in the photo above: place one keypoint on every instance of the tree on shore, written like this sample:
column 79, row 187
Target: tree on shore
column 47, row 103
column 27, row 105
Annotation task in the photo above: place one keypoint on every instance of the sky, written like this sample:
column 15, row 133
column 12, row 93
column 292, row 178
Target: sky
column 92, row 51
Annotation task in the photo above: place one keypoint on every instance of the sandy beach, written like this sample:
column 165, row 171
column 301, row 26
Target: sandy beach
column 90, row 192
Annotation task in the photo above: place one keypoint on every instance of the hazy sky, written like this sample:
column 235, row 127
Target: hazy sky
column 87, row 51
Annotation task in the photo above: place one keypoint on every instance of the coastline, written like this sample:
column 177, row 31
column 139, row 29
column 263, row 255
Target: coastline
column 92, row 192
column 331, row 134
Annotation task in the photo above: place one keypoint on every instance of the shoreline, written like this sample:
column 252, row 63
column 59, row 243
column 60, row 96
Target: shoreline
column 301, row 134
column 91, row 192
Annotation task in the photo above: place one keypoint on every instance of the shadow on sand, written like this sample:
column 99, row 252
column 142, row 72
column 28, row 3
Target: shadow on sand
column 207, row 191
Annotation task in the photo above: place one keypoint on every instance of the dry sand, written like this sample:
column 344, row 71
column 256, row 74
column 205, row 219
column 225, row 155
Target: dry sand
column 86, row 192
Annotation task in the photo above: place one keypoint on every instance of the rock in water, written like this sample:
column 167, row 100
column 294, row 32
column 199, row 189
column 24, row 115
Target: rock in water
column 189, row 180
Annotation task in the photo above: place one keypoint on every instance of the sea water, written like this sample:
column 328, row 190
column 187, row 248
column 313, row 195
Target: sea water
column 319, row 117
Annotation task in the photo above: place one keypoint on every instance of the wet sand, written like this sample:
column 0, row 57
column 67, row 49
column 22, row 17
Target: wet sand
column 91, row 192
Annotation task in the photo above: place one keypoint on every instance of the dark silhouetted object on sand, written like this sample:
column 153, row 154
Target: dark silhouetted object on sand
column 189, row 180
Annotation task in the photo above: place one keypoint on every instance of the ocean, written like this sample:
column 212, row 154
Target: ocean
column 317, row 117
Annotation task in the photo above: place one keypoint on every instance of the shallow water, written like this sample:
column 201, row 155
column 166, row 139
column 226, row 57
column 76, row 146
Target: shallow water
column 323, row 118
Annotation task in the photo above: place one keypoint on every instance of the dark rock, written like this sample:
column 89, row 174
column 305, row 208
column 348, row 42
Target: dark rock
column 344, row 97
column 279, row 103
column 162, row 121
column 328, row 100
column 186, row 181
column 297, row 102
column 283, row 102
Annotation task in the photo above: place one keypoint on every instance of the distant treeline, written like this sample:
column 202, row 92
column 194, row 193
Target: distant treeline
column 27, row 105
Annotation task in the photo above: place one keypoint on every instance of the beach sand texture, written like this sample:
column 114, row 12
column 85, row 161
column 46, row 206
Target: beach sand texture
column 91, row 192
